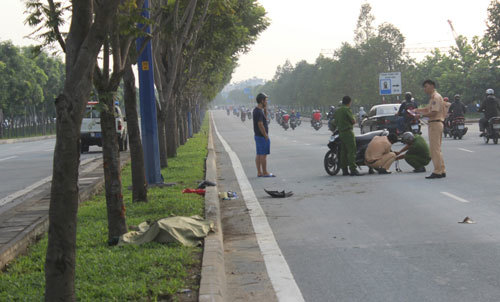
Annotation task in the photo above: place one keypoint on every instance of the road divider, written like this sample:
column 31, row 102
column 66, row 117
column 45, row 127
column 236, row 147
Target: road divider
column 281, row 277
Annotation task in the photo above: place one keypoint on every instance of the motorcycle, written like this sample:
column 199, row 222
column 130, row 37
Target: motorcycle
column 249, row 114
column 413, row 124
column 317, row 125
column 293, row 123
column 493, row 130
column 284, row 122
column 332, row 157
column 243, row 116
column 228, row 112
column 455, row 128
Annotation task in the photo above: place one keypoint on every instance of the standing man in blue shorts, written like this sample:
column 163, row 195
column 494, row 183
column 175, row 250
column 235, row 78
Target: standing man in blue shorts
column 261, row 131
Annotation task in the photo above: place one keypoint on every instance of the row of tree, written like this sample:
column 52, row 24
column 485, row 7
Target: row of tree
column 468, row 69
column 196, row 44
column 28, row 85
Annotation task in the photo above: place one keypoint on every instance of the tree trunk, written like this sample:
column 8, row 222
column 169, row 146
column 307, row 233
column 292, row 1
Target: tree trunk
column 84, row 40
column 171, row 131
column 60, row 258
column 139, row 184
column 162, row 140
column 112, row 172
column 182, row 129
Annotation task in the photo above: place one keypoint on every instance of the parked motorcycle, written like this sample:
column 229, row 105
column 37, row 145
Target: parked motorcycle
column 413, row 124
column 455, row 128
column 493, row 130
column 332, row 157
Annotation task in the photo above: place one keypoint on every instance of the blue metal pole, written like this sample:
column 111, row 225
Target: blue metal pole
column 149, row 122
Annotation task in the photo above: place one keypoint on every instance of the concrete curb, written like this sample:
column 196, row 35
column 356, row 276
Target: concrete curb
column 25, row 140
column 30, row 235
column 213, row 274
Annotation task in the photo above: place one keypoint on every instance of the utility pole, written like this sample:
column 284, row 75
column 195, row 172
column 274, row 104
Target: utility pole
column 149, row 123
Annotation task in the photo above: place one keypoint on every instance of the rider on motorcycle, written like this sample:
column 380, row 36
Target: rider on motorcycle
column 417, row 151
column 408, row 104
column 490, row 107
column 316, row 116
column 457, row 109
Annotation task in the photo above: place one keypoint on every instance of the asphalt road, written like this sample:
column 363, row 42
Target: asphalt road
column 380, row 237
column 23, row 164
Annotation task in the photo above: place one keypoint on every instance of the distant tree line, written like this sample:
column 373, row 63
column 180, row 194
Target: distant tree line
column 468, row 69
column 29, row 84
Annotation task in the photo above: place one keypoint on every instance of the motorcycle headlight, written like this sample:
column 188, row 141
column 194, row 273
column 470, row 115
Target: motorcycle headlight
column 333, row 138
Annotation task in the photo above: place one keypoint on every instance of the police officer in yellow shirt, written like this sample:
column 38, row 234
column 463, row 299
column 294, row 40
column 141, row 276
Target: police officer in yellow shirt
column 436, row 111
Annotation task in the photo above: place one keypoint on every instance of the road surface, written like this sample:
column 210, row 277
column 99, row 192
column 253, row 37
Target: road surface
column 380, row 237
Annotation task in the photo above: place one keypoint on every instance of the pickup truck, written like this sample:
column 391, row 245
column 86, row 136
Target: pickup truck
column 90, row 132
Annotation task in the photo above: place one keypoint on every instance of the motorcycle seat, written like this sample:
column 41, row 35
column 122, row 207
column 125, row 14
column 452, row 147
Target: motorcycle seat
column 367, row 138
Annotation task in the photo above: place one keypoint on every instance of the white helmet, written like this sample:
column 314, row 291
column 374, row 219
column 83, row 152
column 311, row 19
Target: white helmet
column 490, row 92
column 361, row 108
column 407, row 138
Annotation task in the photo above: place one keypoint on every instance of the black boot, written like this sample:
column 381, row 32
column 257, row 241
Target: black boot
column 354, row 172
column 345, row 172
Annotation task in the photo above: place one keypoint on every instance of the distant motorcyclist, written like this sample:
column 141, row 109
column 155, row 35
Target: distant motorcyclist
column 316, row 116
column 490, row 107
column 408, row 104
column 417, row 152
column 457, row 108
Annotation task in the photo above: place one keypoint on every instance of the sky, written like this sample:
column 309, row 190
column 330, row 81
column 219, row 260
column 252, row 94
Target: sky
column 300, row 29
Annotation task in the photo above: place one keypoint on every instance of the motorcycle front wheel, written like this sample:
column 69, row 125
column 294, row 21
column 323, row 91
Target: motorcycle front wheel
column 332, row 162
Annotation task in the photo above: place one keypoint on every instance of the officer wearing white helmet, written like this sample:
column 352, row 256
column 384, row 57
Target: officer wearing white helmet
column 490, row 107
column 417, row 152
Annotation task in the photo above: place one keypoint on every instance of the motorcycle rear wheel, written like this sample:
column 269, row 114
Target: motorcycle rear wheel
column 495, row 140
column 332, row 162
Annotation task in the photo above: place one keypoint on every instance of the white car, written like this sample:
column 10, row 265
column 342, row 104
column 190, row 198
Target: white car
column 90, row 132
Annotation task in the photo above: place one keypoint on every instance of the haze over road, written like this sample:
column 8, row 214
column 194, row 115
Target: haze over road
column 380, row 237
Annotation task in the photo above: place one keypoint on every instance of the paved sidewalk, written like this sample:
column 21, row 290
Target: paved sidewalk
column 24, row 222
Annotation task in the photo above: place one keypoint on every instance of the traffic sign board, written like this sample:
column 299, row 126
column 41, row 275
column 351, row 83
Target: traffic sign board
column 390, row 83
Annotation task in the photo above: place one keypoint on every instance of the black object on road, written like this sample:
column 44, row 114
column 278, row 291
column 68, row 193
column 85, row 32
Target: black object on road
column 277, row 194
column 206, row 183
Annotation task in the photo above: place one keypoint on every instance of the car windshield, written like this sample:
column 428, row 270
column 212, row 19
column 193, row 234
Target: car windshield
column 91, row 112
column 388, row 110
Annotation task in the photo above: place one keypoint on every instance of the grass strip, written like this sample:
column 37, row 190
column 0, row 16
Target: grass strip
column 149, row 272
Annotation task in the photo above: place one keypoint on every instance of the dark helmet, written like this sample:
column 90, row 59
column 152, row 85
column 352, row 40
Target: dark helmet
column 261, row 97
column 457, row 97
column 332, row 108
column 408, row 96
column 407, row 138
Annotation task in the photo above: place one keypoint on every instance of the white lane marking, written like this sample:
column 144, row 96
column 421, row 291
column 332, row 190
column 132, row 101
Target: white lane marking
column 294, row 141
column 37, row 184
column 308, row 144
column 277, row 268
column 455, row 197
column 465, row 150
column 7, row 158
column 49, row 150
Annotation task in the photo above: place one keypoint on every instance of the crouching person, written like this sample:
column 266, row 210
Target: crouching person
column 378, row 154
column 417, row 152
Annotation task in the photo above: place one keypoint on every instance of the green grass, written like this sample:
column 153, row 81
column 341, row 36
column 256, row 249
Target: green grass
column 148, row 272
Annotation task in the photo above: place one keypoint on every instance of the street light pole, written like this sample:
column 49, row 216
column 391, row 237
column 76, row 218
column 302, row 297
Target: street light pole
column 149, row 122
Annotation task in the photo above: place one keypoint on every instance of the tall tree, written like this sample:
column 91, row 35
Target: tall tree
column 90, row 21
column 364, row 27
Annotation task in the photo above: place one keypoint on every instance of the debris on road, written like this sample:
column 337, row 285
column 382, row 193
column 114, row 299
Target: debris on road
column 228, row 195
column 467, row 220
column 277, row 194
column 206, row 183
column 196, row 191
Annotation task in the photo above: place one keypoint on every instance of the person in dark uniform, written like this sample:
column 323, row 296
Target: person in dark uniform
column 408, row 104
column 344, row 121
column 490, row 108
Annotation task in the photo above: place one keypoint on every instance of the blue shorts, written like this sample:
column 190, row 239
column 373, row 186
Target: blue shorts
column 263, row 145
